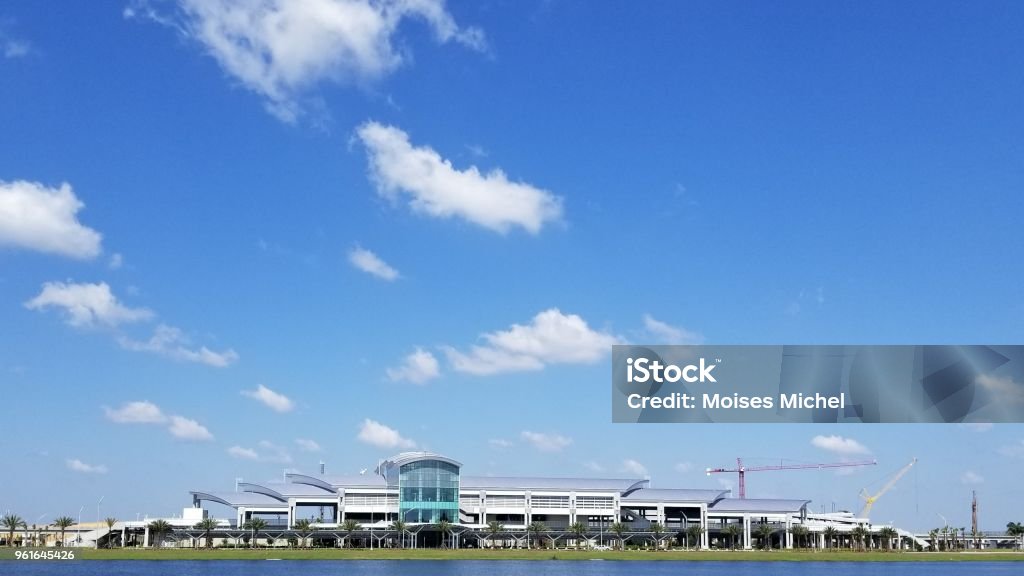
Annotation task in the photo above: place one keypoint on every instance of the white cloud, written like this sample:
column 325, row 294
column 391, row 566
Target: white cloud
column 546, row 442
column 419, row 367
column 86, row 305
column 172, row 343
column 243, row 453
column 971, row 478
column 683, row 467
column 376, row 434
column 437, row 189
column 280, row 48
column 139, row 412
column 633, row 467
column 839, row 445
column 1015, row 450
column 370, row 263
column 307, row 445
column 14, row 48
column 274, row 400
column 43, row 219
column 116, row 261
column 1002, row 387
column 188, row 429
column 662, row 332
column 499, row 443
column 79, row 466
column 550, row 338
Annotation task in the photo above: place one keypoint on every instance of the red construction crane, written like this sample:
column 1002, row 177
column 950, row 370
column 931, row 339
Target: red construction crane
column 741, row 470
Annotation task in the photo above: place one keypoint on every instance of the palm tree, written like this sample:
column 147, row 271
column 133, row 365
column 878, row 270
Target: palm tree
column 110, row 528
column 694, row 532
column 254, row 525
column 578, row 529
column 536, row 528
column 656, row 531
column 207, row 525
column 799, row 532
column 734, row 531
column 400, row 527
column 12, row 522
column 765, row 531
column 63, row 523
column 830, row 535
column 304, row 527
column 445, row 527
column 493, row 529
column 887, row 534
column 618, row 528
column 158, row 528
column 349, row 526
column 860, row 532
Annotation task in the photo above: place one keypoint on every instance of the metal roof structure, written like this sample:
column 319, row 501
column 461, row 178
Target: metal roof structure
column 757, row 505
column 335, row 481
column 552, row 483
column 675, row 495
column 284, row 490
column 236, row 499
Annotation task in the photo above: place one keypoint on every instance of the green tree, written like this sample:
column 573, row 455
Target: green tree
column 63, row 523
column 536, row 528
column 733, row 531
column 158, row 528
column 764, row 532
column 656, row 532
column 694, row 532
column 578, row 530
column 304, row 527
column 445, row 528
column 493, row 529
column 619, row 529
column 400, row 526
column 830, row 535
column 860, row 533
column 12, row 522
column 254, row 525
column 349, row 526
column 110, row 528
column 799, row 532
column 887, row 534
column 207, row 525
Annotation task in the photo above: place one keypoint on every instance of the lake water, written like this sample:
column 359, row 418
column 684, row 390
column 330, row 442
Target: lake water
column 502, row 568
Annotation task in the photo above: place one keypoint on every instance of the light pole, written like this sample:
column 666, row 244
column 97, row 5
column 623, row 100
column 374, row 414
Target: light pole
column 98, row 519
column 78, row 529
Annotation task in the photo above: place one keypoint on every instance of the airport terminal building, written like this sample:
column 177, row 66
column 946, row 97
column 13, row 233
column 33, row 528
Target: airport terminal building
column 422, row 489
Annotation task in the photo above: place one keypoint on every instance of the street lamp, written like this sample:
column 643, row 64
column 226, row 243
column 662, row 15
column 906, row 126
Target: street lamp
column 98, row 519
column 78, row 528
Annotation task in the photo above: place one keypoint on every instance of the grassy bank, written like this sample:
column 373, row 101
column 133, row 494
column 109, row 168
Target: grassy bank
column 475, row 554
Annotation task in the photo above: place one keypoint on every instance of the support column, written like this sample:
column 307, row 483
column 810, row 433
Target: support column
column 789, row 535
column 746, row 531
column 704, row 524
column 145, row 538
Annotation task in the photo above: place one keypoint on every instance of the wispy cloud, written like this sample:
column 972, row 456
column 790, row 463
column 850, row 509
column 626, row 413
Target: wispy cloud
column 147, row 413
column 546, row 441
column 661, row 332
column 171, row 342
column 78, row 466
column 435, row 188
column 633, row 467
column 971, row 478
column 274, row 400
column 86, row 305
column 307, row 445
column 370, row 263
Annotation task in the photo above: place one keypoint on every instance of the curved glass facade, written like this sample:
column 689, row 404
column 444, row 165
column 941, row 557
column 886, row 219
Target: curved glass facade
column 428, row 491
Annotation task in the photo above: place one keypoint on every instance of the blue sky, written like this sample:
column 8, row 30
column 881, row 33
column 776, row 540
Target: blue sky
column 424, row 224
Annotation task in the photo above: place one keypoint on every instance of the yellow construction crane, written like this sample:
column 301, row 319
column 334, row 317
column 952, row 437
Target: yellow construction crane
column 869, row 500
